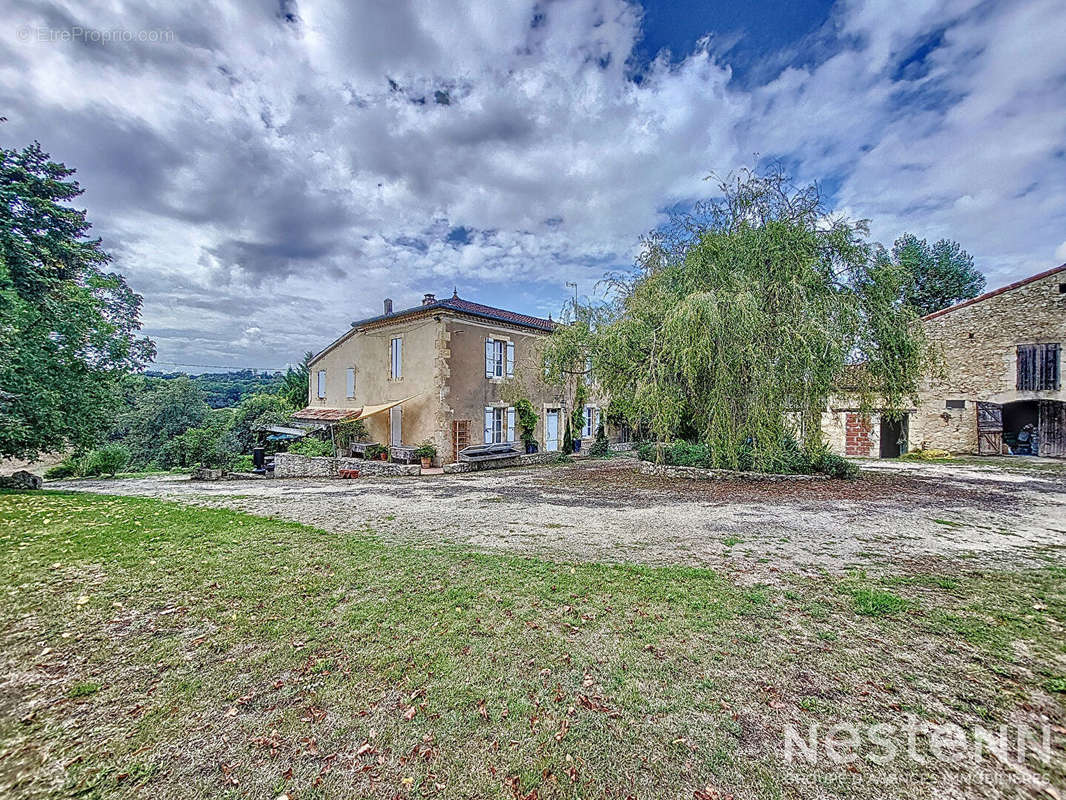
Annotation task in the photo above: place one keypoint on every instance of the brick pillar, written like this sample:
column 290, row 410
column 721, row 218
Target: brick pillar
column 858, row 433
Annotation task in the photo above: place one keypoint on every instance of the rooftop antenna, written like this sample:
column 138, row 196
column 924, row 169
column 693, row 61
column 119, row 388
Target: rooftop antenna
column 571, row 284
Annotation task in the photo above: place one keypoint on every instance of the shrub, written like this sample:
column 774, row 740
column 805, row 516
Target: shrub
column 600, row 448
column 242, row 463
column 206, row 446
column 107, row 460
column 835, row 466
column 527, row 421
column 375, row 450
column 67, row 468
column 311, row 446
column 426, row 450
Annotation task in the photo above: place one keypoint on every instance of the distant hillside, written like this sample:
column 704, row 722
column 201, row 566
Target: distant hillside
column 225, row 389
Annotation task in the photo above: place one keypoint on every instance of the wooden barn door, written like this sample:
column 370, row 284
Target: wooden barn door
column 989, row 429
column 1051, row 428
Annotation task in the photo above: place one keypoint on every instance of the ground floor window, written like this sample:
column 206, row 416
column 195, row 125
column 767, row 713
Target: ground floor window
column 499, row 424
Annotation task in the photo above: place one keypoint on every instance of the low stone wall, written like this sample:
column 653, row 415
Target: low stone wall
column 289, row 465
column 523, row 460
column 621, row 447
column 370, row 467
column 701, row 474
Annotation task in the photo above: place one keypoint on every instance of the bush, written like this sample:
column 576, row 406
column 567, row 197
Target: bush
column 206, row 446
column 835, row 466
column 67, row 468
column 426, row 450
column 600, row 448
column 678, row 454
column 312, row 447
column 107, row 460
column 242, row 463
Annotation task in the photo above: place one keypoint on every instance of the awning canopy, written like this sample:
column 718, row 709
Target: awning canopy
column 330, row 416
column 369, row 411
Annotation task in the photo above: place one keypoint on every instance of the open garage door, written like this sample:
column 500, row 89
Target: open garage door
column 989, row 429
column 1051, row 428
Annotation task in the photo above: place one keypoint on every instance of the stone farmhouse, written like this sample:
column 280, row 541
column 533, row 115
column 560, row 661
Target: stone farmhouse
column 437, row 372
column 999, row 387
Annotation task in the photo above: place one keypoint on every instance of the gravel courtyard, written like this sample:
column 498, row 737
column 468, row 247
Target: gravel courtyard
column 895, row 516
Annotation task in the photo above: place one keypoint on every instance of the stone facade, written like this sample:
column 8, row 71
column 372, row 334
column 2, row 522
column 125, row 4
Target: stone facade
column 976, row 343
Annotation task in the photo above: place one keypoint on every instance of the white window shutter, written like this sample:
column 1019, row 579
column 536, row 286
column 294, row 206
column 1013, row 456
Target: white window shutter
column 351, row 382
column 490, row 351
column 510, row 424
column 321, row 384
column 399, row 358
column 488, row 424
column 510, row 360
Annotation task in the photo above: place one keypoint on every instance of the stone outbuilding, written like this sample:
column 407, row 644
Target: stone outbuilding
column 999, row 387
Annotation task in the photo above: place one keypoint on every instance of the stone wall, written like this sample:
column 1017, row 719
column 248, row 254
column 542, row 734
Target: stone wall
column 289, row 465
column 701, row 474
column 978, row 344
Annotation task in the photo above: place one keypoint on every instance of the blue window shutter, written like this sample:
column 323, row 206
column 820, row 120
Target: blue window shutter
column 510, row 424
column 510, row 359
column 321, row 384
column 489, row 358
column 488, row 424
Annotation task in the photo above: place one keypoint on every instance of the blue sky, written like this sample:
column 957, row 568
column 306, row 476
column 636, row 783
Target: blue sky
column 266, row 171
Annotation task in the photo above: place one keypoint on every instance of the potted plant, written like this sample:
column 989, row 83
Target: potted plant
column 426, row 451
column 527, row 422
column 375, row 451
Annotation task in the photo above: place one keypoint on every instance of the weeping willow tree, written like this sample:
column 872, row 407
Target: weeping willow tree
column 743, row 318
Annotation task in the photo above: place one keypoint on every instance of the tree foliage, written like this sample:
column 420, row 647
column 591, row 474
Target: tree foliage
column 294, row 388
column 68, row 329
column 744, row 316
column 937, row 275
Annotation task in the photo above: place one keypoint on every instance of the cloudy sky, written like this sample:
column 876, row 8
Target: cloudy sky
column 266, row 172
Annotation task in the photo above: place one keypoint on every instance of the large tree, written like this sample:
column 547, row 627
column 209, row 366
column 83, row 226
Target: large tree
column 68, row 328
column 743, row 318
column 294, row 388
column 937, row 275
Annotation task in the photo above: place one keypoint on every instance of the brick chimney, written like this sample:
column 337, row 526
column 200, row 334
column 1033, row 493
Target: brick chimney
column 429, row 299
column 388, row 305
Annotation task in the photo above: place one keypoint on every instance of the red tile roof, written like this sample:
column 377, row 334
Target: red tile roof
column 326, row 414
column 456, row 303
column 1017, row 284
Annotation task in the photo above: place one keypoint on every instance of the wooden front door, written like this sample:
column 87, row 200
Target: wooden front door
column 989, row 429
column 1051, row 429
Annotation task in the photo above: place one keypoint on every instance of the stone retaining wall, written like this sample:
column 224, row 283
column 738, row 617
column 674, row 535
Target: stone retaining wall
column 701, row 474
column 621, row 447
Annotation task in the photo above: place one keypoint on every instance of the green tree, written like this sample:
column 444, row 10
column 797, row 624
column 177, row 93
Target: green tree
column 161, row 411
column 938, row 275
column 68, row 329
column 253, row 414
column 294, row 388
column 741, row 320
column 209, row 444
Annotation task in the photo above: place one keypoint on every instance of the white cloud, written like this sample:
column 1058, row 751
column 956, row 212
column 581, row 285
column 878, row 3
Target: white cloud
column 259, row 173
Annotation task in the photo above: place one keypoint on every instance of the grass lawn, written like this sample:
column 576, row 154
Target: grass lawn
column 155, row 650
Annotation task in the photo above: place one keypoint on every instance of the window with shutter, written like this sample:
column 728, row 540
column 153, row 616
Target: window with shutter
column 351, row 383
column 488, row 425
column 499, row 358
column 510, row 424
column 590, row 422
column 396, row 366
column 321, row 384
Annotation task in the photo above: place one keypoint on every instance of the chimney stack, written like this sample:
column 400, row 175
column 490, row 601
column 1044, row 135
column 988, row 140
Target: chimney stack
column 429, row 299
column 388, row 305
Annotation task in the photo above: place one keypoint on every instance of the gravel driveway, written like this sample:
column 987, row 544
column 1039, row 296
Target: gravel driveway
column 893, row 519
